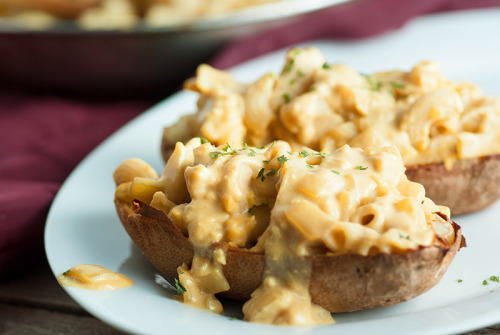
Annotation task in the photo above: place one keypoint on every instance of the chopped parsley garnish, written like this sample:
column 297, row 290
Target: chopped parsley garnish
column 406, row 237
column 261, row 175
column 290, row 65
column 485, row 282
column 326, row 66
column 266, row 161
column 360, row 167
column 336, row 172
column 66, row 272
column 215, row 154
column 397, row 85
column 495, row 278
column 179, row 287
column 305, row 153
column 374, row 83
column 251, row 153
column 271, row 75
column 286, row 98
column 203, row 140
column 260, row 148
column 310, row 166
column 459, row 280
column 251, row 210
column 272, row 172
column 282, row 159
column 300, row 74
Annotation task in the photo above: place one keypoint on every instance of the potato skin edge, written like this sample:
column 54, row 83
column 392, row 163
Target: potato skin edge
column 339, row 283
column 470, row 185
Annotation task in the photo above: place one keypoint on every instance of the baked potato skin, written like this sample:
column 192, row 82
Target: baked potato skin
column 471, row 184
column 339, row 283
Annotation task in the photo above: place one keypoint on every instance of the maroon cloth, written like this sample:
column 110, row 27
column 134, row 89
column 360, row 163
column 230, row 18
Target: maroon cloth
column 42, row 140
column 44, row 137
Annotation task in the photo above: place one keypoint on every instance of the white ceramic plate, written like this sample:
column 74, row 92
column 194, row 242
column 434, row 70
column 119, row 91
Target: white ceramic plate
column 82, row 226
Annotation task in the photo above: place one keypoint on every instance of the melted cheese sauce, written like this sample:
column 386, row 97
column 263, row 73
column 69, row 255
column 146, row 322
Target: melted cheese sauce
column 287, row 206
column 429, row 118
column 93, row 277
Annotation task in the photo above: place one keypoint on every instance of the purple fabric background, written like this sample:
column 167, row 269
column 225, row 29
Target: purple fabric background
column 44, row 137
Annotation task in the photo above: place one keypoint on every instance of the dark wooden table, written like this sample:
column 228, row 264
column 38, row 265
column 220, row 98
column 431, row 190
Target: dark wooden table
column 35, row 304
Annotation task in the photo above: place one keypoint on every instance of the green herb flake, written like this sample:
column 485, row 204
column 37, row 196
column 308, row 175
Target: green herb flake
column 326, row 66
column 215, row 154
column 360, row 167
column 251, row 210
column 260, row 148
column 266, row 161
column 290, row 65
column 304, row 153
column 261, row 175
column 282, row 159
column 286, row 98
column 495, row 278
column 406, row 237
column 179, row 287
column 251, row 153
column 310, row 166
column 322, row 154
column 485, row 282
column 300, row 74
column 203, row 140
column 374, row 83
column 66, row 272
column 397, row 85
column 336, row 172
column 296, row 51
column 245, row 146
column 271, row 75
column 291, row 82
column 233, row 319
column 272, row 172
column 459, row 280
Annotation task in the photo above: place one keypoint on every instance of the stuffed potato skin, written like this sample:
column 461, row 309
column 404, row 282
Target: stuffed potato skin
column 471, row 185
column 339, row 283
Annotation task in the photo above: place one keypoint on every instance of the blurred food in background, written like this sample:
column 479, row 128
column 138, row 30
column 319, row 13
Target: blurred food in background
column 126, row 48
column 119, row 14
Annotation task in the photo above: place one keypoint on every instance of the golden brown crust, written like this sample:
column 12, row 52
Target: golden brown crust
column 338, row 283
column 471, row 184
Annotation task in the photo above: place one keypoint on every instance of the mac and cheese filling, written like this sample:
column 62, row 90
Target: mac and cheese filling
column 287, row 205
column 311, row 103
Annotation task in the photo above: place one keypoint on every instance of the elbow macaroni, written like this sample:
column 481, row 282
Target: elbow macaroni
column 429, row 119
column 283, row 204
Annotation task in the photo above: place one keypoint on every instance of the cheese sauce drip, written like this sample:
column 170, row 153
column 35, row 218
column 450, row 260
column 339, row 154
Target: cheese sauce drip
column 310, row 103
column 286, row 205
column 93, row 277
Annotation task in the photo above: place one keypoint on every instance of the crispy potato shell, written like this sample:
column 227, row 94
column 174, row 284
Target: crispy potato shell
column 471, row 184
column 338, row 283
